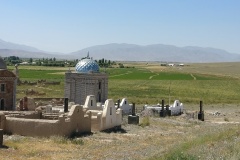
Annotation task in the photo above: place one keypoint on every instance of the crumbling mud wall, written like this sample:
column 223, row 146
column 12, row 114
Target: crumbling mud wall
column 111, row 117
column 103, row 118
column 78, row 120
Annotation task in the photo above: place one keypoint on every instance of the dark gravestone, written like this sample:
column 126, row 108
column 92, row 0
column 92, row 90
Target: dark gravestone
column 133, row 119
column 162, row 112
column 168, row 112
column 201, row 112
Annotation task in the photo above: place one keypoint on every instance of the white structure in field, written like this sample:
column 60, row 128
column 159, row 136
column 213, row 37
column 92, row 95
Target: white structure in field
column 126, row 107
column 103, row 118
column 87, row 80
column 176, row 108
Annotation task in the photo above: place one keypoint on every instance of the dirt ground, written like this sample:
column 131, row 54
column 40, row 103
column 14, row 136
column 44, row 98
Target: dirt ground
column 218, row 137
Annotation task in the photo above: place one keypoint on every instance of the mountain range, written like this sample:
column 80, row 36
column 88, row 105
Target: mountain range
column 127, row 52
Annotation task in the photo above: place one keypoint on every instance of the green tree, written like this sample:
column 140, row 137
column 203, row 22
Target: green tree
column 30, row 60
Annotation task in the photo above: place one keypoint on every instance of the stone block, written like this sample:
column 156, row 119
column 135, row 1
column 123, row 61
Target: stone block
column 201, row 116
column 133, row 119
column 163, row 113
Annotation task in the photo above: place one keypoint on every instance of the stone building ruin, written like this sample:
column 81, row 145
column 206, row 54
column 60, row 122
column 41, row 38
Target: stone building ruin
column 76, row 121
column 79, row 119
column 8, row 83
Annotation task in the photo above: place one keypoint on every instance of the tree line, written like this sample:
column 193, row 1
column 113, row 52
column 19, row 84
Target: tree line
column 53, row 62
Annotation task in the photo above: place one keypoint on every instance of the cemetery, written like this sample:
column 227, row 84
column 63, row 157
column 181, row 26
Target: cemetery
column 86, row 108
column 32, row 120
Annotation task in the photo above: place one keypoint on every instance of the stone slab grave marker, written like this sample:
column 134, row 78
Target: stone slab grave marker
column 133, row 119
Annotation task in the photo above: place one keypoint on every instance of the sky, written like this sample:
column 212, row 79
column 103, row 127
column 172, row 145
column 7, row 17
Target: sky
column 70, row 25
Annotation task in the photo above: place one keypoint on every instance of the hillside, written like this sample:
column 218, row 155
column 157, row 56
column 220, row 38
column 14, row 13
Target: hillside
column 158, row 52
column 127, row 52
column 26, row 54
column 14, row 46
column 23, row 51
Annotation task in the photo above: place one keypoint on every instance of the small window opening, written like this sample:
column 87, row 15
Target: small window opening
column 2, row 87
column 2, row 104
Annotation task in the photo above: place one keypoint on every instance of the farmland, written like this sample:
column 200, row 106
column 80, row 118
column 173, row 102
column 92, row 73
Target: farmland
column 177, row 137
column 149, row 83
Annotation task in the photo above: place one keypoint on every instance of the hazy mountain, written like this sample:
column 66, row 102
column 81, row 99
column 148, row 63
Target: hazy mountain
column 26, row 54
column 9, row 45
column 127, row 52
column 12, row 49
column 157, row 52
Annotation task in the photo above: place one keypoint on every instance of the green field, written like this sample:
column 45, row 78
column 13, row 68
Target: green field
column 147, row 85
column 33, row 75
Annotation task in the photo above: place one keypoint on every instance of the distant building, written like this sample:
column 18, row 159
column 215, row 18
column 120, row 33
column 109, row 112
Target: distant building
column 86, row 80
column 8, row 83
column 24, row 63
column 171, row 64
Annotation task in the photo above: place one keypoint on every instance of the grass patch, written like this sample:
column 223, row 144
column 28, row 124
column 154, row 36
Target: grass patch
column 145, row 121
column 181, row 156
column 77, row 141
column 226, row 119
column 205, row 139
column 64, row 140
column 59, row 139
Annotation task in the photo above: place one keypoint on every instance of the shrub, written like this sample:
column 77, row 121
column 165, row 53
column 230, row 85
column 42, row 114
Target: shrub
column 145, row 121
column 182, row 156
column 226, row 119
column 77, row 141
column 59, row 139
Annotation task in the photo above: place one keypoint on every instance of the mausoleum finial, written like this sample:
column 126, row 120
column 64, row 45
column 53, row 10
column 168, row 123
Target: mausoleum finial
column 88, row 55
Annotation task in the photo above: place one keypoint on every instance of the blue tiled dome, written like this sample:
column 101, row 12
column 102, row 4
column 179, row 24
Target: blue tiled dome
column 87, row 65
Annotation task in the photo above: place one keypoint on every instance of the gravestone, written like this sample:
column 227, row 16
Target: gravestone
column 201, row 112
column 133, row 119
column 1, row 137
column 163, row 112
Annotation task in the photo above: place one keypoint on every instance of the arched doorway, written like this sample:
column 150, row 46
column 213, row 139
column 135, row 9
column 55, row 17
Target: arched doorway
column 2, row 104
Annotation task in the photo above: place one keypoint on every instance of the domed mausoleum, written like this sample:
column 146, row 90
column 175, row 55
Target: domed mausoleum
column 86, row 80
column 8, row 83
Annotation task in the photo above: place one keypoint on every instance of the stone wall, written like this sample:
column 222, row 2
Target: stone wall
column 78, row 120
